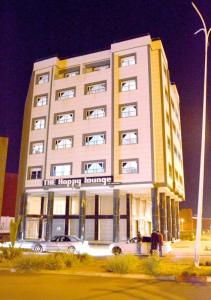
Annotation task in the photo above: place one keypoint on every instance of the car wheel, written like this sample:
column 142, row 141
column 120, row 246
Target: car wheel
column 38, row 248
column 116, row 251
column 71, row 250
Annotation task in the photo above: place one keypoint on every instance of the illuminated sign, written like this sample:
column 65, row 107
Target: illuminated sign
column 77, row 182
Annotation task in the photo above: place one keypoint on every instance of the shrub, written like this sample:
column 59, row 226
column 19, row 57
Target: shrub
column 29, row 263
column 53, row 262
column 151, row 265
column 11, row 253
column 122, row 264
column 85, row 258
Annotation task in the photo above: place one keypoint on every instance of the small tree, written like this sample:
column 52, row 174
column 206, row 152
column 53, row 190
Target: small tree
column 14, row 225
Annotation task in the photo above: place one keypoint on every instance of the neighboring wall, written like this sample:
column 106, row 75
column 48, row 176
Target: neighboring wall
column 3, row 159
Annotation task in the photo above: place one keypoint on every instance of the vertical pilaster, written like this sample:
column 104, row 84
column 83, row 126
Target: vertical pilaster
column 155, row 210
column 96, row 217
column 116, row 215
column 41, row 217
column 49, row 216
column 82, row 217
column 177, row 219
column 67, row 208
column 128, row 213
column 163, row 216
column 174, row 236
column 22, row 229
column 169, row 217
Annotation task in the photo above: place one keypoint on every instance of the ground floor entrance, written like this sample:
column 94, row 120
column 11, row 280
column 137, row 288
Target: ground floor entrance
column 105, row 214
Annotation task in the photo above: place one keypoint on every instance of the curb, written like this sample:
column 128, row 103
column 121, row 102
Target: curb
column 126, row 276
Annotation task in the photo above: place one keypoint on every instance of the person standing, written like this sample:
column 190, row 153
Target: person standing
column 160, row 243
column 139, row 241
column 154, row 242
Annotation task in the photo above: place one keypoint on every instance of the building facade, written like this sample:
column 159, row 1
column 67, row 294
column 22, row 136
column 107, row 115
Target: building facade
column 101, row 154
column 3, row 162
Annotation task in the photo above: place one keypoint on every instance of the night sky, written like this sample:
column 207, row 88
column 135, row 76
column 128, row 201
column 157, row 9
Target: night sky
column 32, row 30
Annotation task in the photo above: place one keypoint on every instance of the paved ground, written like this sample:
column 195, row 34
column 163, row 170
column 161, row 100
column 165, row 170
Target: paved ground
column 186, row 249
column 49, row 287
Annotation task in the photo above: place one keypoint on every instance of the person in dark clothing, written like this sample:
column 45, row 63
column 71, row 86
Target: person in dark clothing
column 139, row 241
column 160, row 242
column 154, row 242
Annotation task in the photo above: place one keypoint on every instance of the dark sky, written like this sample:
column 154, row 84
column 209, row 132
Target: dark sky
column 32, row 30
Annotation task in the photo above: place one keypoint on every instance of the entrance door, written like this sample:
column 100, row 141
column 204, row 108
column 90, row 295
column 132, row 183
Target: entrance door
column 32, row 228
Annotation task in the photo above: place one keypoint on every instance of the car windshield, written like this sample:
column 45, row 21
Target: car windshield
column 54, row 239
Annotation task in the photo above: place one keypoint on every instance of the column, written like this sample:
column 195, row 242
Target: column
column 129, row 198
column 82, row 217
column 155, row 210
column 67, row 208
column 169, row 217
column 173, row 219
column 41, row 217
column 116, row 215
column 163, row 216
column 49, row 224
column 96, row 217
column 177, row 219
column 22, row 214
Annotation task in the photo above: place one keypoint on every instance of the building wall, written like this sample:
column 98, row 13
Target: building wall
column 3, row 159
column 10, row 192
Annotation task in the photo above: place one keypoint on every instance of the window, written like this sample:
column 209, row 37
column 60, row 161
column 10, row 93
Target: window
column 97, row 66
column 37, row 147
column 43, row 78
column 128, row 85
column 63, row 143
column 35, row 173
column 127, row 60
column 39, row 123
column 94, row 139
column 40, row 100
column 95, row 88
column 95, row 113
column 129, row 137
column 72, row 73
column 64, row 118
column 94, row 167
column 61, row 170
column 128, row 110
column 129, row 166
column 66, row 94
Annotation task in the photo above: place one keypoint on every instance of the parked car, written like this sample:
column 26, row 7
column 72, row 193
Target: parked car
column 62, row 243
column 130, row 247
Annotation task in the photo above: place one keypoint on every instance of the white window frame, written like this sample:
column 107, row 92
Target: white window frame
column 35, row 173
column 131, row 110
column 64, row 118
column 40, row 100
column 124, row 169
column 95, row 88
column 63, row 143
column 43, row 78
column 71, row 74
column 40, row 147
column 95, row 139
column 129, row 60
column 66, row 94
column 65, row 172
column 128, row 139
column 95, row 113
column 92, row 168
column 40, row 125
column 128, row 85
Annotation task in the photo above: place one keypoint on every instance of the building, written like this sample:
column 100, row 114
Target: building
column 188, row 222
column 9, row 196
column 3, row 162
column 101, row 154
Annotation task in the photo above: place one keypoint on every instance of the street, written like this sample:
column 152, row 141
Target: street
column 49, row 287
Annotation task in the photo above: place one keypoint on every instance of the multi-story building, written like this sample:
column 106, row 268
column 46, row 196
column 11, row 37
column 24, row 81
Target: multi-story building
column 3, row 162
column 101, row 153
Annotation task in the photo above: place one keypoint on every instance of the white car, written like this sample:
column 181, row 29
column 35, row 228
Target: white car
column 130, row 247
column 62, row 243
